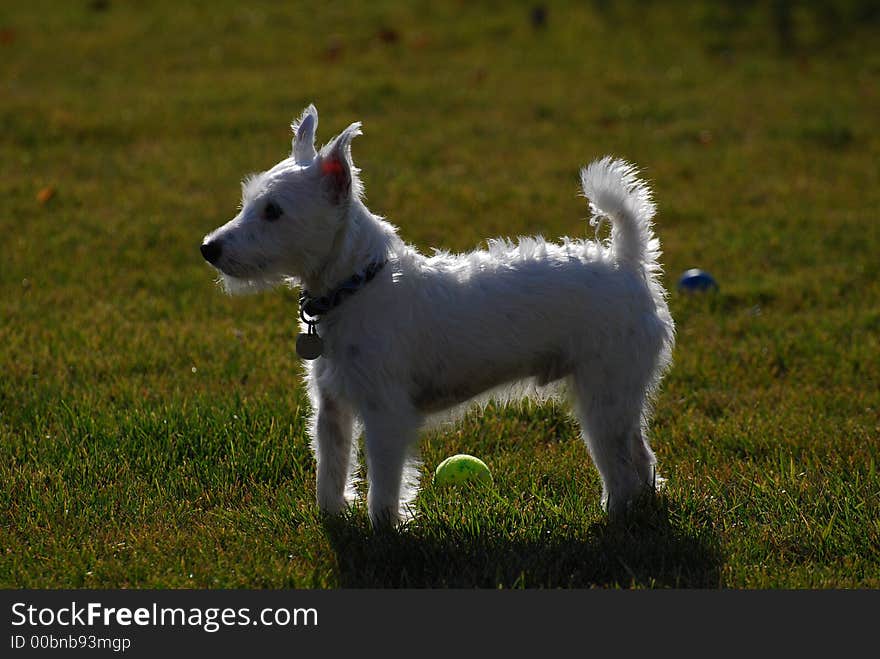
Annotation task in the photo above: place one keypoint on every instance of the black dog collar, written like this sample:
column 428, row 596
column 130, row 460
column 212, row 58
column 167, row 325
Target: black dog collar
column 310, row 345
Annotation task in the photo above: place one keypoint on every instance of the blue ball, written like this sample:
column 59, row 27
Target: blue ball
column 696, row 281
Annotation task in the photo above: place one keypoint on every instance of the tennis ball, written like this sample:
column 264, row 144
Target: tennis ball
column 461, row 468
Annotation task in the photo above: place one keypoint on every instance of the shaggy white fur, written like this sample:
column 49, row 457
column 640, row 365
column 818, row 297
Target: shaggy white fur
column 431, row 333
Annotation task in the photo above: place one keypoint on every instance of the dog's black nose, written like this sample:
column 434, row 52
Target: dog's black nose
column 212, row 251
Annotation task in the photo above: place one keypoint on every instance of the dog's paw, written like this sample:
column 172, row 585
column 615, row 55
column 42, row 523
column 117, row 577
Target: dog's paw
column 387, row 519
column 333, row 505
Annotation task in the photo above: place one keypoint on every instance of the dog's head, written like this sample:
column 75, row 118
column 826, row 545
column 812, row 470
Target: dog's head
column 290, row 215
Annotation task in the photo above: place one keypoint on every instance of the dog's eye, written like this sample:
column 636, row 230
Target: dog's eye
column 272, row 211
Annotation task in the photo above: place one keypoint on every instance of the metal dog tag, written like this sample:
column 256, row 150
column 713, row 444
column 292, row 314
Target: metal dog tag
column 309, row 346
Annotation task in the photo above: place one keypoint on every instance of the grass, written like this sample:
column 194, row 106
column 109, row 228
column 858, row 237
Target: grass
column 152, row 430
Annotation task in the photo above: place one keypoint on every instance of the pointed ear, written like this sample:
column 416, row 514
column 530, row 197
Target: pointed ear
column 304, row 136
column 337, row 170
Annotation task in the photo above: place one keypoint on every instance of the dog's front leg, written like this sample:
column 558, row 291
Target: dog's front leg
column 388, row 440
column 333, row 451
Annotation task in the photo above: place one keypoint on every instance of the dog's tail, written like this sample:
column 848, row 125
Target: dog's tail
column 615, row 192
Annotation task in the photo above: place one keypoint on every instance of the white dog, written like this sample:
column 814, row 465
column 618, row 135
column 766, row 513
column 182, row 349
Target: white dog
column 396, row 338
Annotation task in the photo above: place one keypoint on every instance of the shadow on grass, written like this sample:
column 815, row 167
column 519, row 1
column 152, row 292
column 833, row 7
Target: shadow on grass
column 645, row 550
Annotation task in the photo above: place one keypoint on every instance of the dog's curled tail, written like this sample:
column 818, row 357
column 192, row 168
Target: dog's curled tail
column 615, row 191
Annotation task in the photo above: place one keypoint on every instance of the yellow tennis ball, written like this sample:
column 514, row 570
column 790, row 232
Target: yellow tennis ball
column 460, row 469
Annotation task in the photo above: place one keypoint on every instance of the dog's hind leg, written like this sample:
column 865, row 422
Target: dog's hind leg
column 388, row 441
column 334, row 452
column 610, row 414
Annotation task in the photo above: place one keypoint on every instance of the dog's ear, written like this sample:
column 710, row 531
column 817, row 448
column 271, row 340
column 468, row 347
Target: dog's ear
column 304, row 136
column 337, row 170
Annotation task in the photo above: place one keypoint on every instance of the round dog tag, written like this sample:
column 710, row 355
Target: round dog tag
column 309, row 346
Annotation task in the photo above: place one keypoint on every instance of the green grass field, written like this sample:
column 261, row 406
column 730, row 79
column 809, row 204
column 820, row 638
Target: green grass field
column 152, row 429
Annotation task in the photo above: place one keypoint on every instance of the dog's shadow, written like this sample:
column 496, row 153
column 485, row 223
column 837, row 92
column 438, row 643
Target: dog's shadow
column 646, row 549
